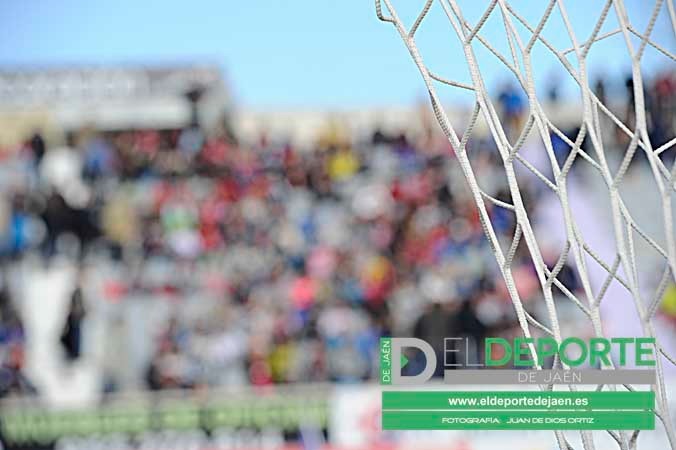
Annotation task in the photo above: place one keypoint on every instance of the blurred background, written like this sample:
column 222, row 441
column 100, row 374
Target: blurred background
column 210, row 212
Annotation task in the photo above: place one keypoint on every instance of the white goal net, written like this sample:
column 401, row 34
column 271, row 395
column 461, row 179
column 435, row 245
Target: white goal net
column 608, row 142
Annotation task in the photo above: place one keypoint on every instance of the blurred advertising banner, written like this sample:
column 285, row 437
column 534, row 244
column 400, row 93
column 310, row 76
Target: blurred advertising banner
column 293, row 417
column 260, row 419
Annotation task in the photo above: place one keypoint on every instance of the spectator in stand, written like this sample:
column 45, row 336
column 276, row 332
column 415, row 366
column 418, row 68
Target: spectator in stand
column 512, row 106
column 12, row 343
column 71, row 336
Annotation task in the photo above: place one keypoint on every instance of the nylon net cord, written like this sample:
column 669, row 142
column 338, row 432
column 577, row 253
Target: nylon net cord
column 519, row 63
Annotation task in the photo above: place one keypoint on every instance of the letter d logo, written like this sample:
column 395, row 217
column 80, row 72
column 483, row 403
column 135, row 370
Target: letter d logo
column 430, row 361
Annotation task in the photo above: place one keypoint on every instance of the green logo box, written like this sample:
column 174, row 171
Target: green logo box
column 515, row 410
column 511, row 420
column 516, row 400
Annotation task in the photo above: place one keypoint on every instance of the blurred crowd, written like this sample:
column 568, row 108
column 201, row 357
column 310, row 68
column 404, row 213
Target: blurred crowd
column 260, row 262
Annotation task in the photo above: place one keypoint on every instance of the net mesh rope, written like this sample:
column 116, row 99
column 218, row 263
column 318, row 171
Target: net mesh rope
column 623, row 269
